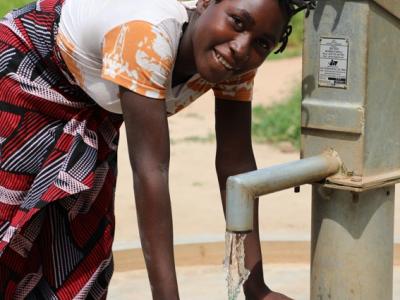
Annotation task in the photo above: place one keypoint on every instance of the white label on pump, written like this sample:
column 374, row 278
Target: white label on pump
column 333, row 54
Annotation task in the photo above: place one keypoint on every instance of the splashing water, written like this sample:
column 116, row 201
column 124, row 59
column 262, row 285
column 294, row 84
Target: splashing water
column 236, row 273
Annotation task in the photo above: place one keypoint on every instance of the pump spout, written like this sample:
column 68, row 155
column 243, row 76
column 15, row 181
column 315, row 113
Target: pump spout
column 242, row 189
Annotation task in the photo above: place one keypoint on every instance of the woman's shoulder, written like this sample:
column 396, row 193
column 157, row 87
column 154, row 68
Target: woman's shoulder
column 107, row 14
column 86, row 22
column 189, row 4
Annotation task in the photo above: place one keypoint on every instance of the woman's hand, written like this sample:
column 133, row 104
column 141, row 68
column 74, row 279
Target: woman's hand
column 270, row 295
column 235, row 156
column 275, row 296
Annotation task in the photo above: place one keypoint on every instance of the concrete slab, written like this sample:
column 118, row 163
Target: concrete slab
column 208, row 282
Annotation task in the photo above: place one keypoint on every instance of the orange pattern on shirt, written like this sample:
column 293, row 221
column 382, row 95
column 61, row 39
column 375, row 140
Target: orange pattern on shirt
column 137, row 56
column 199, row 85
column 239, row 88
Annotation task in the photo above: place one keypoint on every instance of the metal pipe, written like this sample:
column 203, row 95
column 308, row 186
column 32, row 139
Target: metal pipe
column 244, row 188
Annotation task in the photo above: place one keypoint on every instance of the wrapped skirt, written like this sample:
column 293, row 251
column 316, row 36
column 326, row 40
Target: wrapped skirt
column 57, row 168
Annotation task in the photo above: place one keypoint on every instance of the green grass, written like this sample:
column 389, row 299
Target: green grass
column 278, row 123
column 7, row 5
column 200, row 139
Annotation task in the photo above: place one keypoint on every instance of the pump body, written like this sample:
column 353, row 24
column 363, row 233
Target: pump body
column 351, row 103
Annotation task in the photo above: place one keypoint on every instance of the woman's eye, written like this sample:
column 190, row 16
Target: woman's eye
column 238, row 22
column 264, row 45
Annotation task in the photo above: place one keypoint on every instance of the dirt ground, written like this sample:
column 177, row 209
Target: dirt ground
column 193, row 183
column 208, row 282
column 198, row 218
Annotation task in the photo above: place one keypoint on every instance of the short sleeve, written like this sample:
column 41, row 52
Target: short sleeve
column 239, row 88
column 138, row 56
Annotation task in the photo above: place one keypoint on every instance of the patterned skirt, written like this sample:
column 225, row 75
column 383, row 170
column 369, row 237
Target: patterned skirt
column 57, row 168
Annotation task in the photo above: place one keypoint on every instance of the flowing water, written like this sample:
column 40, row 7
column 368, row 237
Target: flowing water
column 236, row 273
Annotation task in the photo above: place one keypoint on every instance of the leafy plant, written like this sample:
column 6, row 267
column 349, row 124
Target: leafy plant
column 278, row 123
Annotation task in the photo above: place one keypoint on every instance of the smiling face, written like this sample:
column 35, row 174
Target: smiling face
column 231, row 37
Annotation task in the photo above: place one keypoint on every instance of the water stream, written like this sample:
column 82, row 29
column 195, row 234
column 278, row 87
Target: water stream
column 236, row 273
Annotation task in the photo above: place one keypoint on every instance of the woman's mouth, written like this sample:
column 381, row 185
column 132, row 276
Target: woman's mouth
column 221, row 60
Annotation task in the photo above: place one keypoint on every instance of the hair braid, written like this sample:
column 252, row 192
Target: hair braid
column 293, row 7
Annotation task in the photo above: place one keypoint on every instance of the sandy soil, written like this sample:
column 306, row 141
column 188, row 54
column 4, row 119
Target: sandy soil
column 198, row 218
column 208, row 282
column 194, row 190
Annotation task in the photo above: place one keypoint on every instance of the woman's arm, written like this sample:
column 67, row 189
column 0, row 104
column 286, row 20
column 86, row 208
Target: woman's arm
column 148, row 145
column 234, row 156
column 234, row 147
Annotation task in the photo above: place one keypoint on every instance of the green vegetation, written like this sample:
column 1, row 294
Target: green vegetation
column 7, row 5
column 200, row 139
column 278, row 123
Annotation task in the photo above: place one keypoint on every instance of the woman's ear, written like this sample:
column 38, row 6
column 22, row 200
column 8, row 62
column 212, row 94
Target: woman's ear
column 201, row 5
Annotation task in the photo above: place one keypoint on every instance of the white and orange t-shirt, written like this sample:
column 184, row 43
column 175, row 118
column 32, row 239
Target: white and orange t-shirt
column 133, row 43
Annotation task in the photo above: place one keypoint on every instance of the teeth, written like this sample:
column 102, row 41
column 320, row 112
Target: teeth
column 223, row 61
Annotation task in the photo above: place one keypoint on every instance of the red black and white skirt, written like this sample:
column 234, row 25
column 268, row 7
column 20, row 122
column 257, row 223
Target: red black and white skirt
column 57, row 168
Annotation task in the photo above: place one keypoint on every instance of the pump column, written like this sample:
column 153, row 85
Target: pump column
column 352, row 244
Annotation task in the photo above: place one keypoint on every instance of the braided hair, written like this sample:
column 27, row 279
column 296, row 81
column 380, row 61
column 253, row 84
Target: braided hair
column 292, row 7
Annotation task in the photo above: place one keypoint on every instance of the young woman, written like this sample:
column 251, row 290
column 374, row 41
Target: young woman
column 70, row 72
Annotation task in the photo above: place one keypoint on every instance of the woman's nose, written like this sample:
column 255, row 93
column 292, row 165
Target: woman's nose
column 240, row 47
